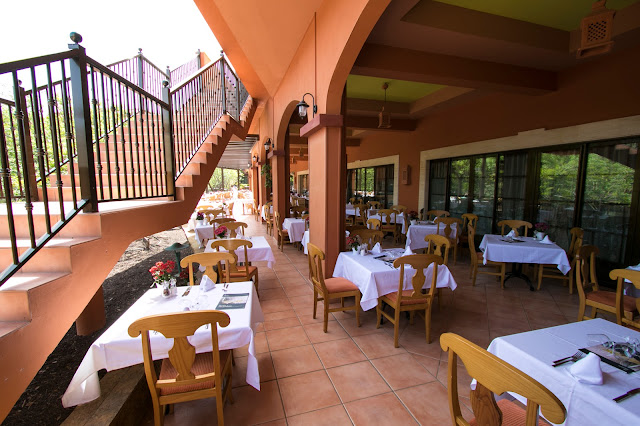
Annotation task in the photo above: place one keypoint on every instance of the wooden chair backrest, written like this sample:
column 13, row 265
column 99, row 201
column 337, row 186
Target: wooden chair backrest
column 203, row 207
column 515, row 224
column 586, row 269
column 432, row 214
column 222, row 220
column 352, row 200
column 374, row 224
column 634, row 277
column 419, row 262
column 438, row 245
column 373, row 204
column 494, row 376
column 178, row 326
column 233, row 228
column 388, row 217
column 400, row 208
column 231, row 245
column 208, row 260
column 471, row 234
column 368, row 236
column 297, row 210
column 577, row 238
column 277, row 222
column 363, row 211
column 448, row 223
column 352, row 228
column 316, row 256
column 470, row 220
column 267, row 213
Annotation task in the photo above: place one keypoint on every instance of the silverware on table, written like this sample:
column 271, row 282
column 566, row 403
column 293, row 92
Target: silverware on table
column 627, row 395
column 186, row 292
column 573, row 358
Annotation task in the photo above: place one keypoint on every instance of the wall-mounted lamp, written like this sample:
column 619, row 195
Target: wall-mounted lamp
column 302, row 106
column 255, row 159
column 267, row 145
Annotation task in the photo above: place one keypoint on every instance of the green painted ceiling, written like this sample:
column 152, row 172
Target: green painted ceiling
column 561, row 14
column 363, row 87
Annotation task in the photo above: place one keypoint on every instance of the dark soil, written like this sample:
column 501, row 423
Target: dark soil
column 41, row 403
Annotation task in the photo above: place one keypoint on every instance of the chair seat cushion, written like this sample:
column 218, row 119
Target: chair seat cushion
column 512, row 414
column 609, row 298
column 203, row 364
column 406, row 293
column 338, row 285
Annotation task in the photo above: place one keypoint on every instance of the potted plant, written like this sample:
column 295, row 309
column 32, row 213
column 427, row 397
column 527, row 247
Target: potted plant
column 199, row 218
column 266, row 172
column 221, row 231
column 162, row 278
column 413, row 216
column 540, row 230
column 353, row 244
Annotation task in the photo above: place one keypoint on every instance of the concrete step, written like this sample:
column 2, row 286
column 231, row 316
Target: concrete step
column 14, row 293
column 83, row 225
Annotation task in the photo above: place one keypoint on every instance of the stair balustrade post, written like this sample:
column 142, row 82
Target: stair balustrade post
column 238, row 97
column 140, row 69
column 223, row 79
column 30, row 173
column 82, row 121
column 169, row 155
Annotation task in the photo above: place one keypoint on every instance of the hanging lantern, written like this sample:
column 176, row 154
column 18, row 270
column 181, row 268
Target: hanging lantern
column 596, row 31
column 384, row 118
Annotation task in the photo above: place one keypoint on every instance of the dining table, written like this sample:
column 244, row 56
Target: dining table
column 204, row 231
column 115, row 349
column 523, row 250
column 295, row 228
column 260, row 251
column 417, row 231
column 399, row 218
column 375, row 277
column 533, row 352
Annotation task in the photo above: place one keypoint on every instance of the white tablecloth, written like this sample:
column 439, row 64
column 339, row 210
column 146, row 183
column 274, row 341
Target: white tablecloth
column 530, row 251
column 305, row 240
column 533, row 352
column 350, row 210
column 262, row 211
column 260, row 251
column 394, row 219
column 417, row 232
column 375, row 278
column 295, row 228
column 116, row 349
column 204, row 231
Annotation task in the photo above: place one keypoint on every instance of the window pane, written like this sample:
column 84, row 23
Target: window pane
column 483, row 192
column 556, row 202
column 459, row 192
column 437, row 184
column 607, row 198
column 511, row 186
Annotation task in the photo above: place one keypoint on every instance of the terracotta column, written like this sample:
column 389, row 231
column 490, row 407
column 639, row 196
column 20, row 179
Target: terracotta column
column 327, row 185
column 280, row 183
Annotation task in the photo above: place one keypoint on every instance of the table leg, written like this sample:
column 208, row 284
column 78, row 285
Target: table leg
column 516, row 272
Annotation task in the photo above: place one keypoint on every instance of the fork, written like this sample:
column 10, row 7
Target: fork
column 573, row 358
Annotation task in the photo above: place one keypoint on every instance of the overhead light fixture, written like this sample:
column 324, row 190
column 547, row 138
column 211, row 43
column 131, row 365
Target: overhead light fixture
column 384, row 118
column 255, row 159
column 596, row 30
column 267, row 145
column 303, row 106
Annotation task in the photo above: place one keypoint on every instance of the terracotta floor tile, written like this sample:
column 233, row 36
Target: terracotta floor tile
column 268, row 284
column 377, row 345
column 402, row 371
column 383, row 409
column 281, row 323
column 272, row 293
column 430, row 364
column 332, row 416
column 275, row 305
column 298, row 360
column 357, row 381
column 307, row 392
column 339, row 352
column 305, row 314
column 265, row 367
column 429, row 403
column 266, row 405
column 300, row 290
column 272, row 316
column 286, row 338
column 316, row 333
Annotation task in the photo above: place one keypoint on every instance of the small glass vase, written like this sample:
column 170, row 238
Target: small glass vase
column 539, row 235
column 355, row 250
column 169, row 288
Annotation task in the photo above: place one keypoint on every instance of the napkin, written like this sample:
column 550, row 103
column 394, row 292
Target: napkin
column 376, row 249
column 206, row 284
column 546, row 240
column 587, row 370
column 407, row 252
column 511, row 234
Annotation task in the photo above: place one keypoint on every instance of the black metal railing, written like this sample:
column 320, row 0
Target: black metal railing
column 186, row 70
column 76, row 133
column 141, row 71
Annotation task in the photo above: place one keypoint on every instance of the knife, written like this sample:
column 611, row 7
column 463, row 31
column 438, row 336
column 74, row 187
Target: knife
column 627, row 395
column 186, row 292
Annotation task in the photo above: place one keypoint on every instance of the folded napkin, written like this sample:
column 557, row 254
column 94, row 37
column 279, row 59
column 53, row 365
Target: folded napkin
column 407, row 252
column 511, row 234
column 376, row 249
column 635, row 268
column 206, row 284
column 588, row 370
column 546, row 240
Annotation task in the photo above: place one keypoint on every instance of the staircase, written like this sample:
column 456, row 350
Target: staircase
column 84, row 235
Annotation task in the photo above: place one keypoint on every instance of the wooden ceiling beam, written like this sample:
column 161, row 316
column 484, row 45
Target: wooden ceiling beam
column 365, row 122
column 378, row 60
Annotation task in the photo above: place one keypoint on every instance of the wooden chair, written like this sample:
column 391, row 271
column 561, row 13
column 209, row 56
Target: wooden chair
column 236, row 273
column 448, row 223
column 185, row 375
column 222, row 220
column 495, row 376
column 368, row 236
column 208, row 260
column 298, row 210
column 230, row 208
column 233, row 228
column 388, row 217
column 625, row 316
column 515, row 224
column 438, row 245
column 468, row 220
column 598, row 300
column 282, row 235
column 399, row 208
column 433, row 214
column 268, row 220
column 577, row 236
column 373, row 204
column 331, row 288
column 362, row 214
column 217, row 212
column 352, row 228
column 204, row 207
column 414, row 299
column 477, row 261
column 305, row 217
column 256, row 211
column 374, row 224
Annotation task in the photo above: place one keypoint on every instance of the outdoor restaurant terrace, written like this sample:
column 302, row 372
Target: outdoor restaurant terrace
column 394, row 212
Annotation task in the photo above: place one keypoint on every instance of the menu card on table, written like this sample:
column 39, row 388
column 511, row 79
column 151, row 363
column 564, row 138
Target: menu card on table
column 233, row 301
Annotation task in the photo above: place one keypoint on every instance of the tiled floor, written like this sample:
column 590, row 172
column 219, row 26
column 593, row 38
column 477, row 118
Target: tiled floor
column 354, row 375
